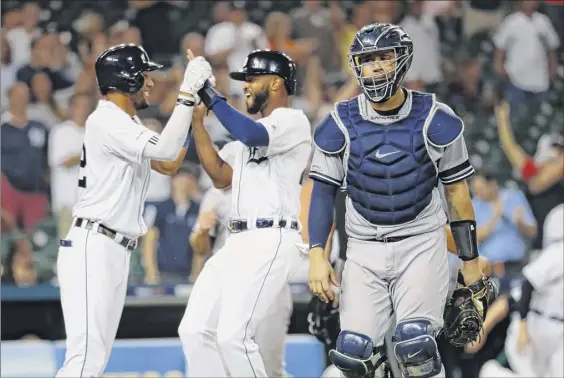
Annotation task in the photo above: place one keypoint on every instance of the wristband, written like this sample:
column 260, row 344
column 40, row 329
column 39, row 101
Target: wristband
column 464, row 235
column 208, row 94
column 529, row 169
column 185, row 100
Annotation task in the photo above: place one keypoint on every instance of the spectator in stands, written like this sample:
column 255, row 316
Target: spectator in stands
column 482, row 15
column 312, row 24
column 43, row 107
column 20, row 38
column 167, row 252
column 543, row 173
column 64, row 61
column 20, row 268
column 278, row 28
column 449, row 21
column 24, row 163
column 343, row 32
column 554, row 9
column 515, row 225
column 42, row 60
column 385, row 11
column 425, row 72
column 470, row 92
column 122, row 32
column 525, row 55
column 11, row 16
column 220, row 12
column 7, row 70
column 193, row 41
column 64, row 153
column 90, row 25
column 156, row 27
column 231, row 41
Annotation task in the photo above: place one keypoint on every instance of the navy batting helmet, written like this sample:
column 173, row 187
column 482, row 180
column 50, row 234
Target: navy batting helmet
column 268, row 62
column 378, row 38
column 121, row 68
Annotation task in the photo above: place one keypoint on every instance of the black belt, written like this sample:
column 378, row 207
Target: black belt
column 392, row 239
column 129, row 244
column 556, row 318
column 241, row 225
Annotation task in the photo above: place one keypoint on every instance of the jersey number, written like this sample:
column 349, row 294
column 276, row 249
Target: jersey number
column 82, row 181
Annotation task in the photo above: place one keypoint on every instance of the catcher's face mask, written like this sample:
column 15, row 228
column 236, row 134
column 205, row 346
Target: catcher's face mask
column 380, row 72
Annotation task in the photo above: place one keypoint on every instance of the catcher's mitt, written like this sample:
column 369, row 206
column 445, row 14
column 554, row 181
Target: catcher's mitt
column 323, row 321
column 466, row 310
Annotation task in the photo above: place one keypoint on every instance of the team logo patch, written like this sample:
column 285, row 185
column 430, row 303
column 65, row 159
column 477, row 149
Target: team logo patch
column 257, row 155
column 316, row 168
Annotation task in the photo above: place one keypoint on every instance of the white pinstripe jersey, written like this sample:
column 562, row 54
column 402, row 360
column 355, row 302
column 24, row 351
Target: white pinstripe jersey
column 114, row 174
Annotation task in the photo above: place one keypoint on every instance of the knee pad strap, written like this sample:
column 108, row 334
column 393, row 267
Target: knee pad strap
column 354, row 355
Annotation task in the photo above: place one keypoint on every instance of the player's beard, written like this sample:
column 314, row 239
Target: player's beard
column 140, row 104
column 259, row 101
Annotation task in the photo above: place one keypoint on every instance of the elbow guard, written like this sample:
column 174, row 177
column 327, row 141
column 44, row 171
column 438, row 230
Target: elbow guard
column 465, row 239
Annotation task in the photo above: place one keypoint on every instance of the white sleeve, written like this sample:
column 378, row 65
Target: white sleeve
column 551, row 37
column 286, row 129
column 327, row 168
column 545, row 269
column 229, row 152
column 218, row 39
column 168, row 144
column 59, row 150
column 454, row 165
column 126, row 138
column 501, row 38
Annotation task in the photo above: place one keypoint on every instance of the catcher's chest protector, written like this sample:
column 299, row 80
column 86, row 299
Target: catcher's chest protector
column 390, row 175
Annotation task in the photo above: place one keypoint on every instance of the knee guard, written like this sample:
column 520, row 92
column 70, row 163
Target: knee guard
column 355, row 355
column 416, row 349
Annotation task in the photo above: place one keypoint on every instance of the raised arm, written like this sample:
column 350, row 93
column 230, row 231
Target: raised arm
column 243, row 128
column 167, row 145
column 219, row 170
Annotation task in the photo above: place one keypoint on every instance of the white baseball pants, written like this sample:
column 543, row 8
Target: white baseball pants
column 231, row 297
column 92, row 272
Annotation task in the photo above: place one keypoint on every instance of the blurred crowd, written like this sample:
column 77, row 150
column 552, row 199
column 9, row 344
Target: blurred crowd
column 473, row 54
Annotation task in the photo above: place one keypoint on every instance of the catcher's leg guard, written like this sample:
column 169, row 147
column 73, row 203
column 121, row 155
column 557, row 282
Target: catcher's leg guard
column 355, row 356
column 416, row 349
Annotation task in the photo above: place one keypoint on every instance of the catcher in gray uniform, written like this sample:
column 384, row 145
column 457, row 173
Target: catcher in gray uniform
column 388, row 148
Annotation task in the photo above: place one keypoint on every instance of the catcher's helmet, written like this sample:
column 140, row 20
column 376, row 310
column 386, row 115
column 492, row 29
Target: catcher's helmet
column 381, row 38
column 268, row 62
column 121, row 68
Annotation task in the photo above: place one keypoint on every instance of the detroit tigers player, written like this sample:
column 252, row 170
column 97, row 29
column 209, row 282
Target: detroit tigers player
column 117, row 156
column 535, row 340
column 263, row 167
column 388, row 148
column 271, row 332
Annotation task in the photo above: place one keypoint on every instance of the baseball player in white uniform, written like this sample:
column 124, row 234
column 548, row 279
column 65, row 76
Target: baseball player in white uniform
column 263, row 167
column 270, row 334
column 540, row 330
column 117, row 156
